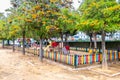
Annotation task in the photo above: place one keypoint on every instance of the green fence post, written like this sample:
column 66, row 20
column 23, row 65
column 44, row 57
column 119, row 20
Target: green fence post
column 86, row 49
column 99, row 50
column 75, row 60
column 55, row 56
column 76, row 48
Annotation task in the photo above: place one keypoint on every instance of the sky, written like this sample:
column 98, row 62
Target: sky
column 4, row 4
column 76, row 4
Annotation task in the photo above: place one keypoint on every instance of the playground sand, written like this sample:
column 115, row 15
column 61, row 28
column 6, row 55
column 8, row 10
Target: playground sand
column 15, row 66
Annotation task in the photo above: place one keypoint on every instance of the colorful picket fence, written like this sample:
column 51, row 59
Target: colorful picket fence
column 33, row 51
column 88, row 59
column 67, row 59
column 76, row 60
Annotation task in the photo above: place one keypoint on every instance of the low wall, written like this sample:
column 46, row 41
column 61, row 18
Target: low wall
column 113, row 45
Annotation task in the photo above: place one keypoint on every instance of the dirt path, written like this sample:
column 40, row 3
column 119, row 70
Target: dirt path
column 15, row 66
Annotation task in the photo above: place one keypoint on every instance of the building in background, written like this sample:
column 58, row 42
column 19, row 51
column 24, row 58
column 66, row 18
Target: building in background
column 81, row 36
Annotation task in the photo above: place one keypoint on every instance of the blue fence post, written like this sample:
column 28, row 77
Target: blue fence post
column 117, row 55
column 90, row 58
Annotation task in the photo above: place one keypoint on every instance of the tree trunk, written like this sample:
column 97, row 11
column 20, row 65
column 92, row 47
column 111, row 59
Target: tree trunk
column 61, row 42
column 95, row 40
column 90, row 41
column 104, row 59
column 3, row 43
column 13, row 44
column 41, row 51
column 8, row 42
column 23, row 42
column 66, row 39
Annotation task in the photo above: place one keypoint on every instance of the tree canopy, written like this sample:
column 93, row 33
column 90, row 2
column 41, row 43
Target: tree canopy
column 98, row 15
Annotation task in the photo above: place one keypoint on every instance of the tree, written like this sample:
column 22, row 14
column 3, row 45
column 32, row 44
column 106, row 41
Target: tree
column 41, row 17
column 13, row 25
column 2, row 31
column 16, row 10
column 21, row 17
column 14, row 31
column 66, row 23
column 3, row 28
column 95, row 17
column 87, row 23
column 45, row 17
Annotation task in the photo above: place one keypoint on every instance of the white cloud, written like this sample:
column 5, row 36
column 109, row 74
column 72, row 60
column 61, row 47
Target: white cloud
column 4, row 4
column 76, row 4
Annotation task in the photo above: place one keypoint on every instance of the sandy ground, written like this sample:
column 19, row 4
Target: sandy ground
column 15, row 66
